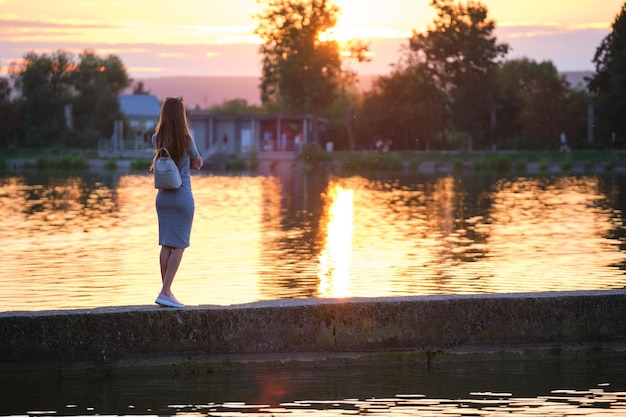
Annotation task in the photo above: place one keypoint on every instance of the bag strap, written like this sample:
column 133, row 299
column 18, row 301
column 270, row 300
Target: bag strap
column 166, row 151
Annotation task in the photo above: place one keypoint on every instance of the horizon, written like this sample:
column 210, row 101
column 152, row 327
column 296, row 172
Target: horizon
column 210, row 90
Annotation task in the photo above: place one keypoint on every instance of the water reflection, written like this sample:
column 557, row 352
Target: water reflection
column 91, row 240
column 524, row 388
column 335, row 258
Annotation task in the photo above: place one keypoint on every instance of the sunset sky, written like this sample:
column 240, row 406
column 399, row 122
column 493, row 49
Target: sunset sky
column 156, row 38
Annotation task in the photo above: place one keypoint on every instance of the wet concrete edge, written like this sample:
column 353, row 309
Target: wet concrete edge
column 317, row 332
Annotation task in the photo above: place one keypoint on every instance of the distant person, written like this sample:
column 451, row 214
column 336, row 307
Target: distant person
column 613, row 142
column 564, row 147
column 175, row 208
column 297, row 142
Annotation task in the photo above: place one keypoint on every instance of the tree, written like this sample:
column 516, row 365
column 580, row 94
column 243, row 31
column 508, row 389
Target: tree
column 47, row 84
column 532, row 104
column 139, row 89
column 461, row 52
column 341, row 115
column 609, row 81
column 45, row 87
column 404, row 107
column 98, row 82
column 301, row 68
column 9, row 112
column 236, row 106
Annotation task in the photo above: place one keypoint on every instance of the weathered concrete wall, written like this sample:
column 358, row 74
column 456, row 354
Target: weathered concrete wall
column 109, row 336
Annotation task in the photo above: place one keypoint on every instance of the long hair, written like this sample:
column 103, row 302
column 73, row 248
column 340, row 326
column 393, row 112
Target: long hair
column 172, row 130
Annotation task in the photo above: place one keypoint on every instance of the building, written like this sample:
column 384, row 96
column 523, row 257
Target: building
column 141, row 110
column 240, row 134
column 214, row 134
column 142, row 113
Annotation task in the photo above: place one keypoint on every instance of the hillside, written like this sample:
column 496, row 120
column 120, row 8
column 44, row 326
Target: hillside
column 205, row 92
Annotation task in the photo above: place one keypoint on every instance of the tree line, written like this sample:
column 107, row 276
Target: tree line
column 451, row 88
column 61, row 100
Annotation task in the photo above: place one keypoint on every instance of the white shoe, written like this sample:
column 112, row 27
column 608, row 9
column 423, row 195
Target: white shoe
column 162, row 300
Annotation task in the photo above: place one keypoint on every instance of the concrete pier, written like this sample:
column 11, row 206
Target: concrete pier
column 314, row 329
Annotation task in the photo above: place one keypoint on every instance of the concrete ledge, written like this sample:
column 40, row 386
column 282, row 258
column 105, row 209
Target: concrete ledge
column 312, row 328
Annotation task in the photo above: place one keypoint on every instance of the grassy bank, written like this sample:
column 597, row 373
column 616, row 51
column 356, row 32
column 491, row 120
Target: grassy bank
column 363, row 161
column 502, row 161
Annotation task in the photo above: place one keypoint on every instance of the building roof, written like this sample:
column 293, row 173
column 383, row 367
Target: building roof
column 140, row 105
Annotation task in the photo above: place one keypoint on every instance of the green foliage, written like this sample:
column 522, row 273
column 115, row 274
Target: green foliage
column 462, row 53
column 48, row 84
column 609, row 81
column 299, row 69
column 493, row 163
column 373, row 162
column 236, row 164
column 237, row 106
column 140, row 164
column 405, row 107
column 566, row 164
column 312, row 154
column 611, row 161
column 302, row 66
column 61, row 163
column 9, row 128
column 44, row 84
column 533, row 103
column 98, row 83
column 110, row 165
column 11, row 150
column 341, row 115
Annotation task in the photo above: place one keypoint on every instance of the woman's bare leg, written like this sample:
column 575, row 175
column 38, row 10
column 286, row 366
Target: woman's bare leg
column 163, row 257
column 169, row 260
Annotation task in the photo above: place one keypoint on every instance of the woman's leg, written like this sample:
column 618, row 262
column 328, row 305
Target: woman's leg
column 163, row 257
column 169, row 260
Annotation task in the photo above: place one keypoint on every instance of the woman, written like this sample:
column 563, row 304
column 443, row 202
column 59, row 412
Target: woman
column 174, row 208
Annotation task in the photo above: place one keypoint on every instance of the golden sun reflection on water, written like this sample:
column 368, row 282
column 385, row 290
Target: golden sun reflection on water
column 334, row 260
column 81, row 242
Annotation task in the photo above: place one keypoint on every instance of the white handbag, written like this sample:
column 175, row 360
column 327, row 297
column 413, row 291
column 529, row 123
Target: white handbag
column 166, row 174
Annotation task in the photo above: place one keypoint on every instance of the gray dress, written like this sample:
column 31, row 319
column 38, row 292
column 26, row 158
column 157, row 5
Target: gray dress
column 175, row 208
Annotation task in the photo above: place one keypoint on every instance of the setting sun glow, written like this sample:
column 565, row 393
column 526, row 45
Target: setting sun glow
column 217, row 38
column 334, row 260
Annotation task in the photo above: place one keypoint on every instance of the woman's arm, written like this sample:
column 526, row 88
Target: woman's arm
column 196, row 159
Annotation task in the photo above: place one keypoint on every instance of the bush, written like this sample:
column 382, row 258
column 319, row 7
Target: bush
column 501, row 163
column 68, row 162
column 111, row 165
column 236, row 164
column 141, row 164
column 566, row 164
column 313, row 154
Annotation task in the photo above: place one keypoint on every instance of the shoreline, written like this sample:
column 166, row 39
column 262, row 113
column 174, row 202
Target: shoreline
column 15, row 165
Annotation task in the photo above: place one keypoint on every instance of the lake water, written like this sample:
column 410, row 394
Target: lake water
column 496, row 388
column 90, row 240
